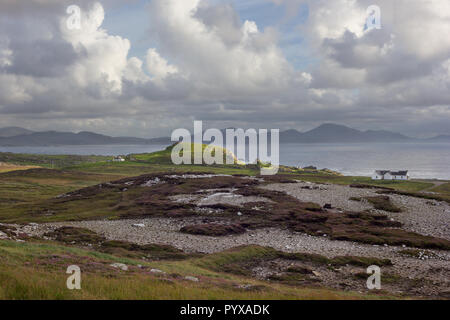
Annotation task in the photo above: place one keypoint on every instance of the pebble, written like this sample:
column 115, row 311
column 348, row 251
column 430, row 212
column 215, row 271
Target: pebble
column 121, row 266
column 157, row 271
column 190, row 278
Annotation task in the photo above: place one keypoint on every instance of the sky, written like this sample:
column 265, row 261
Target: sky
column 146, row 67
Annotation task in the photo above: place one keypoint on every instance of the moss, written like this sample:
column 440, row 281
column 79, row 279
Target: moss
column 75, row 235
column 428, row 196
column 8, row 230
column 213, row 229
column 299, row 269
column 310, row 206
column 411, row 252
column 394, row 237
column 383, row 203
column 368, row 186
column 242, row 260
column 392, row 278
column 149, row 251
column 360, row 261
column 82, row 236
column 290, row 278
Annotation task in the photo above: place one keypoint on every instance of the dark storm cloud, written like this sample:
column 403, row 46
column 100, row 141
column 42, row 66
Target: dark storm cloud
column 42, row 58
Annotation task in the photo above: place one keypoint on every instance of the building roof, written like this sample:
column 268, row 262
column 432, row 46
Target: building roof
column 399, row 173
column 392, row 173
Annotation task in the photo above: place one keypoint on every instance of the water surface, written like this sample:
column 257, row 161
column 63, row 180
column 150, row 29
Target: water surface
column 423, row 160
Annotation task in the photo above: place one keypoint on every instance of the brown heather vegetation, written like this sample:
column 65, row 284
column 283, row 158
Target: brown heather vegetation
column 380, row 203
column 213, row 229
column 421, row 195
column 284, row 211
column 85, row 237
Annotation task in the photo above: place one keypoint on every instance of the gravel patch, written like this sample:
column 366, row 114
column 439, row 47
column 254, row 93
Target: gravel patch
column 216, row 197
column 427, row 217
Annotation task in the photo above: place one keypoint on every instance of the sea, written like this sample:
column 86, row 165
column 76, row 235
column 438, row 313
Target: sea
column 423, row 160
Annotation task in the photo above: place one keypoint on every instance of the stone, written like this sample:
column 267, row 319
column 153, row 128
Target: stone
column 139, row 225
column 121, row 266
column 193, row 279
column 156, row 271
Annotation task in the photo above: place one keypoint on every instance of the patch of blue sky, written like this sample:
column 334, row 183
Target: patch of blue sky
column 268, row 14
column 131, row 20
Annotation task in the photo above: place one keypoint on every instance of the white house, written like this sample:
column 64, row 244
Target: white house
column 118, row 159
column 379, row 174
column 397, row 175
column 390, row 175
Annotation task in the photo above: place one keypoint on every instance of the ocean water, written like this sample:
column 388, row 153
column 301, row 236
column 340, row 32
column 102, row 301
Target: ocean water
column 423, row 160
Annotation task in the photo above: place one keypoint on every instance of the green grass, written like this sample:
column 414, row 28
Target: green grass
column 24, row 190
column 410, row 185
column 444, row 189
column 44, row 265
column 7, row 167
column 131, row 169
column 49, row 161
column 383, row 203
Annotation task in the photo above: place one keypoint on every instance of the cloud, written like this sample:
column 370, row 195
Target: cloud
column 221, row 56
column 158, row 66
column 103, row 57
column 204, row 61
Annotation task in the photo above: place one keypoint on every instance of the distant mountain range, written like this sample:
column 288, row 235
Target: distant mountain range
column 326, row 133
column 333, row 133
column 55, row 138
column 13, row 131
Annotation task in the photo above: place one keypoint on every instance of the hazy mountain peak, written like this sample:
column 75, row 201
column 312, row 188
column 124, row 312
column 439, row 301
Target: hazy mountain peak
column 325, row 133
column 13, row 131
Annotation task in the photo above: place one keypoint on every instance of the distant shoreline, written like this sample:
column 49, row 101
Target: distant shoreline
column 423, row 160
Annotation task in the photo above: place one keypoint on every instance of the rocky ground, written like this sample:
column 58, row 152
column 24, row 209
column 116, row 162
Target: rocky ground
column 428, row 217
column 422, row 272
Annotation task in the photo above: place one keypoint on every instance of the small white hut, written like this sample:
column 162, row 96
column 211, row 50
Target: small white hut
column 118, row 159
column 390, row 175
